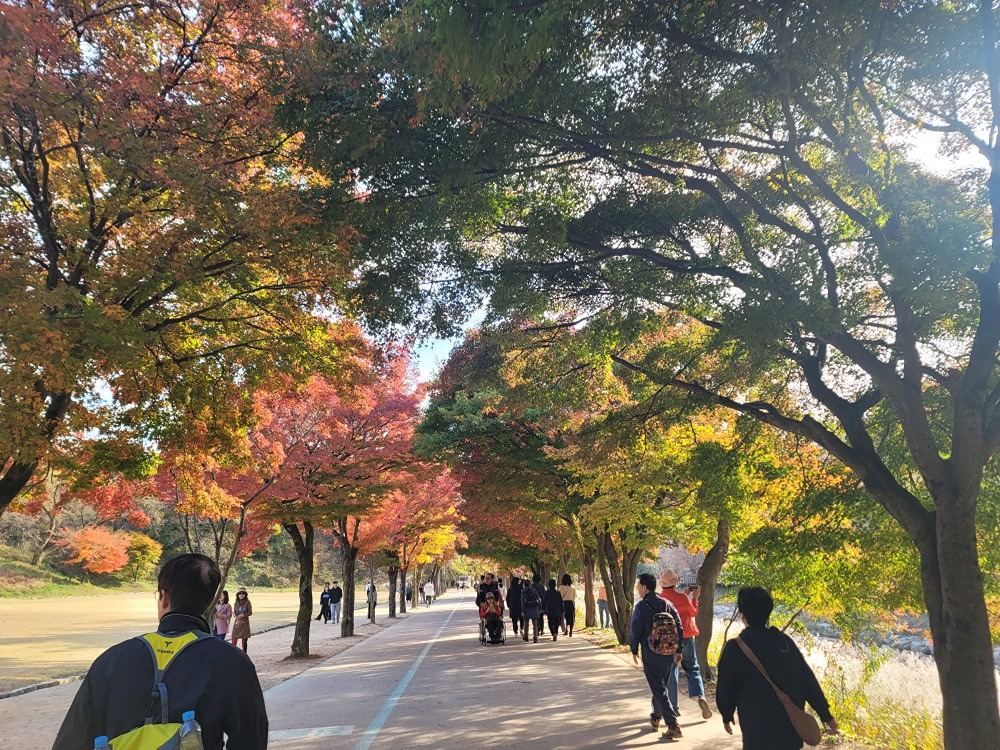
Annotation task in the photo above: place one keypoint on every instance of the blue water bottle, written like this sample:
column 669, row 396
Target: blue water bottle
column 100, row 742
column 190, row 735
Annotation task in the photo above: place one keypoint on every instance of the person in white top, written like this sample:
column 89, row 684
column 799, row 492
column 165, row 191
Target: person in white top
column 428, row 592
column 569, row 604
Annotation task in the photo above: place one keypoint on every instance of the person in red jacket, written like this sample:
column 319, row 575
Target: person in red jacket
column 686, row 603
column 490, row 612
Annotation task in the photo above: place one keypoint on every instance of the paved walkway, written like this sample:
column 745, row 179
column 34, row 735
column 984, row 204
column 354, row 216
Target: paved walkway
column 425, row 681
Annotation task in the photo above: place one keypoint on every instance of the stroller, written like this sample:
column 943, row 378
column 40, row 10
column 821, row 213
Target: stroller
column 492, row 629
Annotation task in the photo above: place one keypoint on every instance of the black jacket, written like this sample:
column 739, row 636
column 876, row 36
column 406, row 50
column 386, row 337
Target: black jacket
column 741, row 687
column 514, row 598
column 336, row 594
column 552, row 603
column 218, row 682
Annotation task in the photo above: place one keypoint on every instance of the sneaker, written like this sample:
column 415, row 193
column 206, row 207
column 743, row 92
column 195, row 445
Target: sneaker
column 536, row 639
column 654, row 721
column 706, row 710
column 673, row 733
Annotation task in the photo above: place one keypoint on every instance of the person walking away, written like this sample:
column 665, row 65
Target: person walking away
column 742, row 688
column 531, row 609
column 602, row 606
column 336, row 597
column 241, row 618
column 686, row 604
column 202, row 674
column 372, row 594
column 428, row 592
column 409, row 591
column 223, row 615
column 324, row 604
column 655, row 666
column 568, row 594
column 514, row 602
column 552, row 603
column 536, row 582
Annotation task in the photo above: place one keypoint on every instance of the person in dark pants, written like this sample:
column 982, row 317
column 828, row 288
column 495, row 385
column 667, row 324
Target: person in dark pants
column 514, row 602
column 552, row 605
column 531, row 609
column 741, row 687
column 324, row 605
column 536, row 582
column 656, row 667
column 568, row 594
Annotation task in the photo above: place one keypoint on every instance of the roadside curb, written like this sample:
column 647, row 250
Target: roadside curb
column 39, row 685
column 74, row 678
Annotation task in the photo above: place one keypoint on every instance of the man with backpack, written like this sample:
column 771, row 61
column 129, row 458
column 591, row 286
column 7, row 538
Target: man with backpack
column 656, row 629
column 142, row 686
column 531, row 610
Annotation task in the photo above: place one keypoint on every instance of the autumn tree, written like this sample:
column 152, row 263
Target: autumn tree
column 160, row 231
column 419, row 518
column 73, row 477
column 97, row 549
column 341, row 451
column 749, row 165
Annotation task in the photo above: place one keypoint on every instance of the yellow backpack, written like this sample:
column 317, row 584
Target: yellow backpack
column 156, row 733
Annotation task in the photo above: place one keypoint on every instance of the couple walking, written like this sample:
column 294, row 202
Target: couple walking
column 329, row 603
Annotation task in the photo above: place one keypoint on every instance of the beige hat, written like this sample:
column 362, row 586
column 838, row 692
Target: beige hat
column 241, row 588
column 669, row 578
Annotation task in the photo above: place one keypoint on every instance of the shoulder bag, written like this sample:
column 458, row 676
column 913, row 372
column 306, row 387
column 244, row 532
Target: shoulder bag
column 805, row 724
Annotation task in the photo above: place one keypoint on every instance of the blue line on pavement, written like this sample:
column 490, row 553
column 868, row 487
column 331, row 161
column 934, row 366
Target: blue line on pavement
column 390, row 703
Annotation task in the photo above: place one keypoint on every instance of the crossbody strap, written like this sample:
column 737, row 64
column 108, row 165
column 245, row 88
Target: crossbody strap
column 756, row 662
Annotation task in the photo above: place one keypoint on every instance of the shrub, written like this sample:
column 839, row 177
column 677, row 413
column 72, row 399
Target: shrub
column 96, row 549
column 143, row 555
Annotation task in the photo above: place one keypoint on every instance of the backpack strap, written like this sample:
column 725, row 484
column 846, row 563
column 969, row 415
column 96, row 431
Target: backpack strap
column 163, row 650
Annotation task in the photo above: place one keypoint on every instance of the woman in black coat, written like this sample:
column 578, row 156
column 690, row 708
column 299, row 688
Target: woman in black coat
column 514, row 602
column 741, row 687
column 552, row 606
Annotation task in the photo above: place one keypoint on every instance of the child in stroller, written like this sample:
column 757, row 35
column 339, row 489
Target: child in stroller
column 491, row 620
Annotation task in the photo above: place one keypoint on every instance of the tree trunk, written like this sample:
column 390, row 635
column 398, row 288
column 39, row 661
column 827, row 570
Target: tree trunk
column 349, row 557
column 36, row 559
column 393, row 577
column 564, row 560
column 402, row 590
column 545, row 568
column 618, row 572
column 955, row 601
column 589, row 602
column 707, row 578
column 304, row 552
column 13, row 481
